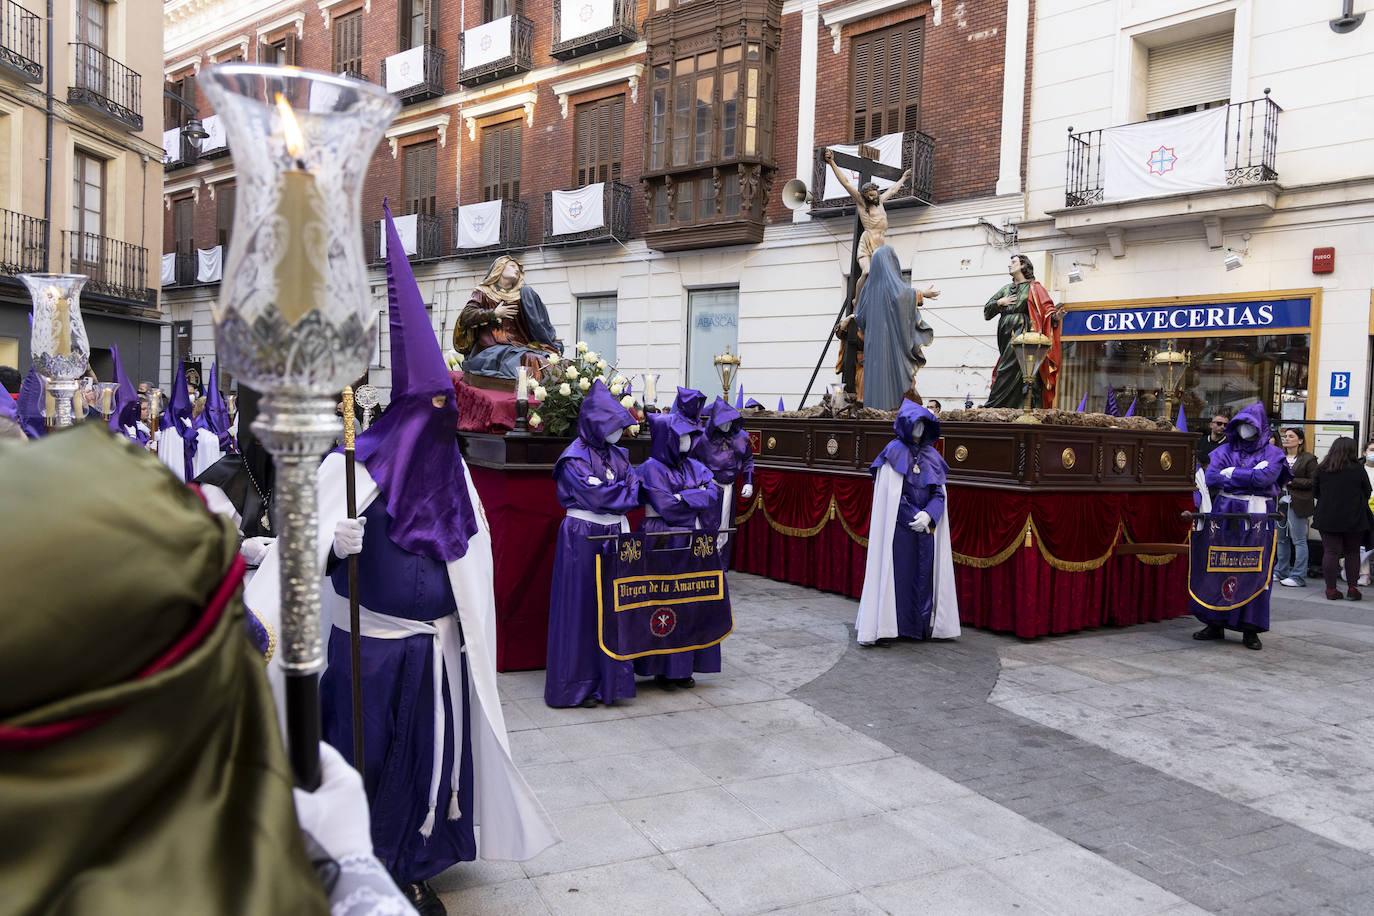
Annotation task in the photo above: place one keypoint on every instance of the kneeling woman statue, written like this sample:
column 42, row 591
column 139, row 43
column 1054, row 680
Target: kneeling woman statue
column 505, row 325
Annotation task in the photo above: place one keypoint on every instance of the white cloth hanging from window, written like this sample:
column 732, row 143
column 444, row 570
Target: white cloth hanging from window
column 578, row 210
column 479, row 225
column 889, row 147
column 583, row 17
column 1183, row 153
column 209, row 264
column 405, row 228
column 169, row 269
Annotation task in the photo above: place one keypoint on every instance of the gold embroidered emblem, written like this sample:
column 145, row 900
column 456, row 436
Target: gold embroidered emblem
column 960, row 453
column 1166, row 460
column 1068, row 459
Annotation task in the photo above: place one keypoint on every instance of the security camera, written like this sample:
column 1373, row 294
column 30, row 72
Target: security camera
column 1233, row 261
column 1075, row 275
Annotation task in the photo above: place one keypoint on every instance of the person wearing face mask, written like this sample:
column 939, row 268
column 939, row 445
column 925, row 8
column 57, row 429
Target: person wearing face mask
column 597, row 485
column 679, row 492
column 725, row 450
column 909, row 575
column 1343, row 493
column 1297, row 505
column 1248, row 474
column 436, row 755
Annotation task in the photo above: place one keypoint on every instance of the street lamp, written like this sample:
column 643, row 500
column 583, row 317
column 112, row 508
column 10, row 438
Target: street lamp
column 727, row 367
column 1030, row 348
column 1169, row 364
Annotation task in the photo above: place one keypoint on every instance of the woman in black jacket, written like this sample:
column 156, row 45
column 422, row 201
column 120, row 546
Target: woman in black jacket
column 1296, row 504
column 1342, row 491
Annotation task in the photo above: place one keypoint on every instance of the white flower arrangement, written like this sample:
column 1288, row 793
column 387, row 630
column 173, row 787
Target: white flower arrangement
column 572, row 373
column 581, row 346
column 535, row 421
column 565, row 389
column 583, row 384
column 627, row 402
column 540, row 393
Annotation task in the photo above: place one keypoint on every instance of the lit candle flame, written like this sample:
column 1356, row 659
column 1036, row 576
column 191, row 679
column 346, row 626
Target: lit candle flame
column 291, row 129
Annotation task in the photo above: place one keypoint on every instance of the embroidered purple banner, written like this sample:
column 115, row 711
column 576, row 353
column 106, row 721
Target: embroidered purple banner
column 655, row 600
column 1231, row 561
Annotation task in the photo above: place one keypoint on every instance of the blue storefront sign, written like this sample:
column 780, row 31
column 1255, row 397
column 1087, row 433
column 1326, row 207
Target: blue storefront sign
column 1258, row 316
column 1340, row 384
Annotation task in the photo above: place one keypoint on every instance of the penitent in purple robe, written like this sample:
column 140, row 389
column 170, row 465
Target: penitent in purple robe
column 679, row 493
column 1264, row 484
column 724, row 449
column 689, row 403
column 577, row 668
column 923, row 472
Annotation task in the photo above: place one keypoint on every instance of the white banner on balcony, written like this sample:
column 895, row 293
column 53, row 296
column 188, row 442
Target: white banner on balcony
column 479, row 225
column 578, row 211
column 171, row 144
column 1168, row 156
column 169, row 269
column 406, row 227
column 486, row 44
column 583, row 17
column 216, row 139
column 889, row 147
column 210, row 264
column 405, row 69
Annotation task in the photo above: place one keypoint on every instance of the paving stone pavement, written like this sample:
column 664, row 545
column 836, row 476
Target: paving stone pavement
column 1130, row 771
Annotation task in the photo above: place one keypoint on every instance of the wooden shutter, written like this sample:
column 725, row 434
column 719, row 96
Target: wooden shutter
column 432, row 22
column 501, row 161
column 420, row 178
column 348, row 43
column 292, row 51
column 1192, row 72
column 183, row 221
column 886, row 81
column 224, row 213
column 188, row 93
column 600, row 143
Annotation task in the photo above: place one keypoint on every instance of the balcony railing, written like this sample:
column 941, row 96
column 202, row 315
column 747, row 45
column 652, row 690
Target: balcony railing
column 20, row 47
column 1252, row 139
column 178, row 151
column 429, row 238
column 615, row 219
column 184, row 270
column 484, row 56
column 415, row 75
column 918, row 154
column 600, row 24
column 106, row 86
column 514, row 221
column 23, row 244
column 354, row 71
column 116, row 269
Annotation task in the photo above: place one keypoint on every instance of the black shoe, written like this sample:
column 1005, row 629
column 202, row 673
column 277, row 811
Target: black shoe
column 663, row 682
column 686, row 683
column 1211, row 631
column 423, row 898
column 1251, row 640
column 589, row 703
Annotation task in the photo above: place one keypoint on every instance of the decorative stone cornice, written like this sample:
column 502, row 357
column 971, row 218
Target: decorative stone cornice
column 296, row 18
column 237, row 43
column 418, row 126
column 631, row 72
column 523, row 100
column 853, row 12
column 327, row 5
column 177, row 66
column 175, row 188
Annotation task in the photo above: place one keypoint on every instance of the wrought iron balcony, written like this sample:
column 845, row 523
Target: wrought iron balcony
column 178, row 151
column 23, row 244
column 354, row 71
column 116, row 269
column 918, row 154
column 615, row 219
column 587, row 33
column 514, row 222
column 415, row 81
column 20, row 47
column 184, row 271
column 1252, row 139
column 106, row 86
column 480, row 46
column 429, row 238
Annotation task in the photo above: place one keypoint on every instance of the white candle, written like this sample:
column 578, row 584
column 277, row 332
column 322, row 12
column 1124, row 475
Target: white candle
column 649, row 393
column 300, row 281
column 64, row 322
column 521, row 384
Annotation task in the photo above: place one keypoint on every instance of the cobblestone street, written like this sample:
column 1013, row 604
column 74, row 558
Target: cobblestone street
column 1124, row 771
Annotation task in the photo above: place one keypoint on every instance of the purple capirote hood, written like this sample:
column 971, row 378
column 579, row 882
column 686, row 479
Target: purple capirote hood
column 688, row 403
column 666, row 431
column 902, row 451
column 600, row 415
column 411, row 452
column 126, row 396
column 215, row 416
column 178, row 405
column 1256, row 417
column 30, row 405
column 720, row 412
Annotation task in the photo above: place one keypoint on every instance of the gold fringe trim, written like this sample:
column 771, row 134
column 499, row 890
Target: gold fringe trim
column 853, row 535
column 830, row 512
column 1157, row 559
column 753, row 507
column 1074, row 565
column 1001, row 556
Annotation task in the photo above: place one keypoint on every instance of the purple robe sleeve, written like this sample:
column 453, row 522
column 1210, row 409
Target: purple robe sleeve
column 659, row 490
column 746, row 470
column 611, row 497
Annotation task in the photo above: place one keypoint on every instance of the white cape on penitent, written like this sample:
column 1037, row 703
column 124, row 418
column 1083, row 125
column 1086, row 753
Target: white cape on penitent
column 878, row 603
column 514, row 824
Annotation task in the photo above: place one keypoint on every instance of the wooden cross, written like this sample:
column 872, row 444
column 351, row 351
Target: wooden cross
column 867, row 167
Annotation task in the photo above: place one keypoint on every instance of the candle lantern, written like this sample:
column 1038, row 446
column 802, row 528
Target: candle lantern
column 293, row 318
column 1170, row 365
column 105, row 398
column 650, row 391
column 366, row 397
column 1030, row 348
column 727, row 367
column 61, row 351
column 522, row 402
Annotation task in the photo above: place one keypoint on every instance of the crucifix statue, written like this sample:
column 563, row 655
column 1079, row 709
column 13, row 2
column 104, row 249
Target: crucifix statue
column 870, row 228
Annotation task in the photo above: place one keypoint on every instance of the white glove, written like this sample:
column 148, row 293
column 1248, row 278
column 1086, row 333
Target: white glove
column 746, row 491
column 254, row 549
column 593, row 481
column 677, row 496
column 335, row 814
column 921, row 523
column 348, row 537
column 1227, row 472
column 1262, row 465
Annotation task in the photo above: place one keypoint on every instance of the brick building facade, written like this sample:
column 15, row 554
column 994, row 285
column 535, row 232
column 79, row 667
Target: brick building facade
column 701, row 111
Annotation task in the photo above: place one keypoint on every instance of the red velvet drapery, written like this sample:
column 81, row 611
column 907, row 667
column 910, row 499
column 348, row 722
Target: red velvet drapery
column 1031, row 563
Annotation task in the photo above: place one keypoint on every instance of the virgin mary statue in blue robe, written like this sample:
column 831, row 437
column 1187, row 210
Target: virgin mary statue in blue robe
column 597, row 485
column 889, row 315
column 909, row 576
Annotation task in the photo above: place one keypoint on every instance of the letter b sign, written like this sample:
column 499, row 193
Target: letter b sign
column 1340, row 384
